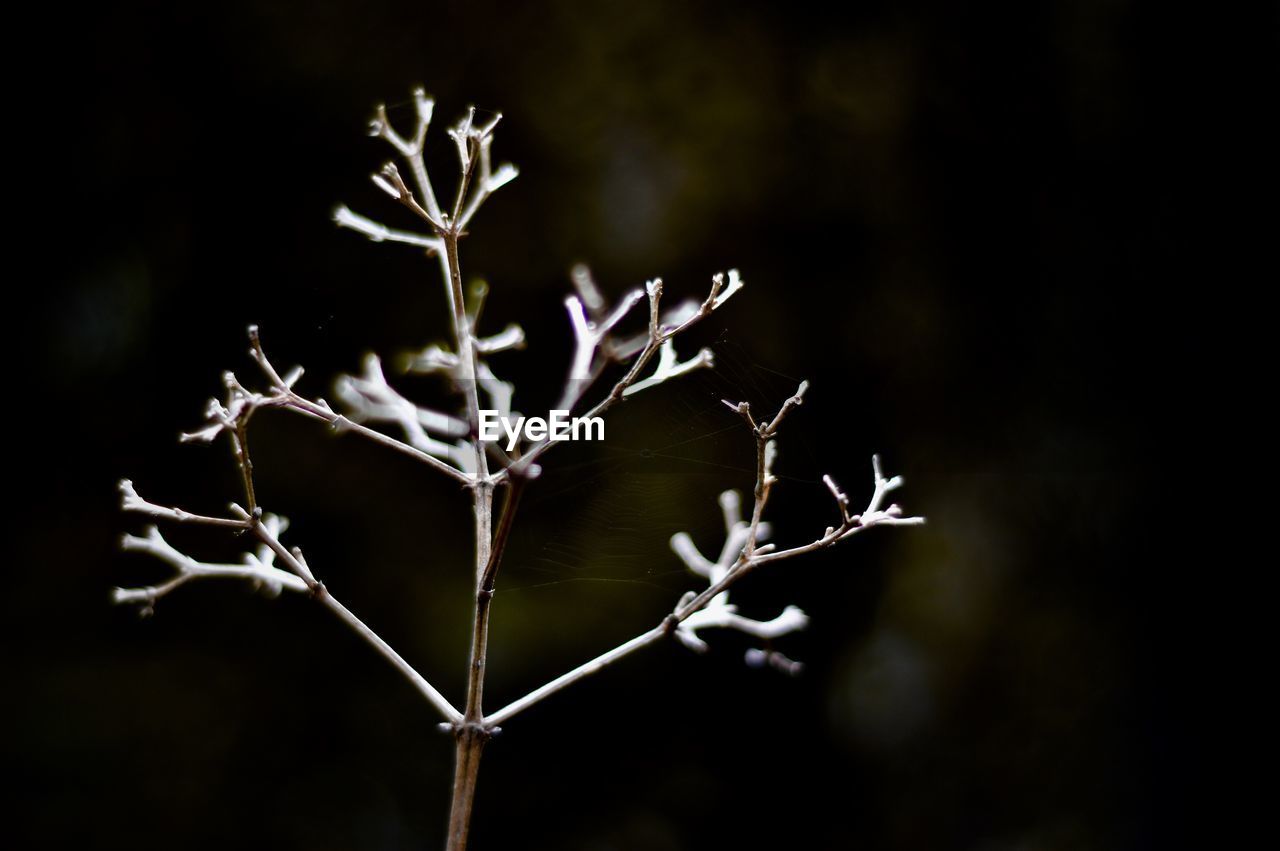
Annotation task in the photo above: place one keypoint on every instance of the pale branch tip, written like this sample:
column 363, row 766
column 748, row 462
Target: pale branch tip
column 345, row 217
column 390, row 182
column 586, row 287
column 718, row 295
column 795, row 401
column 508, row 339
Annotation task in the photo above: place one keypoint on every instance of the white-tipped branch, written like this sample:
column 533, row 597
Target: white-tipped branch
column 282, row 395
column 791, row 619
column 740, row 555
column 718, row 612
column 589, row 332
column 489, row 180
column 412, row 148
column 851, row 524
column 590, row 335
column 262, row 573
column 259, row 567
column 131, row 502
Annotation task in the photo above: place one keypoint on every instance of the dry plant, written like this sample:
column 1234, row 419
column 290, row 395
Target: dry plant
column 449, row 444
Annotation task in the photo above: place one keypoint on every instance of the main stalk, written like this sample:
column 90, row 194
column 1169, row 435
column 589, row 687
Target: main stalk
column 470, row 734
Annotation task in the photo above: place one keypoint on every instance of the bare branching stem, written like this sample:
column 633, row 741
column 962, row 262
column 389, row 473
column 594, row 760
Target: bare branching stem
column 448, row 442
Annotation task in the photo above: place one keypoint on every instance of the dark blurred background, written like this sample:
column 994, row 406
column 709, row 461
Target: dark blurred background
column 959, row 221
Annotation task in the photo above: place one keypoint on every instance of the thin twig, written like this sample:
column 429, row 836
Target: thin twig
column 295, row 576
column 284, row 397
